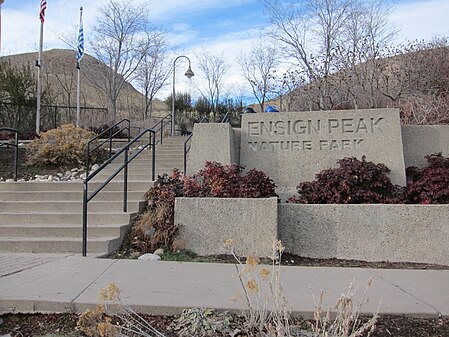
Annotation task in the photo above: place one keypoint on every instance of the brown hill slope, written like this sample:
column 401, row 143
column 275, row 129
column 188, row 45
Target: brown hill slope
column 416, row 81
column 59, row 80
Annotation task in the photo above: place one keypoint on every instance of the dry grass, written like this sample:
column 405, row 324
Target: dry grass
column 344, row 320
column 266, row 310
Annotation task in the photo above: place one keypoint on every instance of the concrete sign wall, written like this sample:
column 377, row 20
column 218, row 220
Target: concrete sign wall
column 294, row 146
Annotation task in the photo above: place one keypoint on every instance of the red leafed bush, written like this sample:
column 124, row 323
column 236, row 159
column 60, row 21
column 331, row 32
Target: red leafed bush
column 354, row 182
column 256, row 184
column 225, row 181
column 429, row 185
column 156, row 227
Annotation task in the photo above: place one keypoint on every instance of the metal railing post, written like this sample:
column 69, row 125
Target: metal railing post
column 185, row 158
column 7, row 144
column 85, row 218
column 87, row 159
column 125, row 182
column 162, row 130
column 110, row 142
column 16, row 155
column 153, row 164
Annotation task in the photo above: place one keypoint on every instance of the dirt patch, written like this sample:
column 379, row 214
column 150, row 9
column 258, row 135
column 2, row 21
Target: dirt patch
column 24, row 171
column 27, row 325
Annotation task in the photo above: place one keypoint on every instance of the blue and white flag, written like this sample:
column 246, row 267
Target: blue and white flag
column 80, row 48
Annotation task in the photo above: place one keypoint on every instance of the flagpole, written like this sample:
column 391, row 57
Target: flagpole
column 78, row 95
column 1, row 2
column 43, row 6
column 39, row 88
column 78, row 60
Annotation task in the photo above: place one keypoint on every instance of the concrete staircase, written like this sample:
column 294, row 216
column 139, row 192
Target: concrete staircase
column 46, row 217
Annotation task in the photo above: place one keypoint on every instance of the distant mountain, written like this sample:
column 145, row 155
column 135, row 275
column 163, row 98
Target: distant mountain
column 59, row 79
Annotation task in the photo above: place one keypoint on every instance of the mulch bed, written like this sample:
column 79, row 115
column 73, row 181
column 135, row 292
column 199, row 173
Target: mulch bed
column 24, row 171
column 29, row 325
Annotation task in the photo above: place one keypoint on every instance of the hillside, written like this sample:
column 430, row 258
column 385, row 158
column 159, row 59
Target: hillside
column 59, row 80
column 416, row 80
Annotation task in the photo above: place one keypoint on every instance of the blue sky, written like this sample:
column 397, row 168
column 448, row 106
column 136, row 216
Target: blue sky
column 223, row 27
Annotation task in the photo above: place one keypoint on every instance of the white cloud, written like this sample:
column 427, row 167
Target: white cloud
column 423, row 19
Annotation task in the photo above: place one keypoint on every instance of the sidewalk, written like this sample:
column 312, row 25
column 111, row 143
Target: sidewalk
column 61, row 283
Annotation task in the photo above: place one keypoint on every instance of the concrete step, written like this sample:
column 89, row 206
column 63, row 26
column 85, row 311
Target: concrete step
column 61, row 230
column 142, row 167
column 102, row 218
column 25, row 207
column 42, row 186
column 68, row 196
column 135, row 186
column 98, row 245
column 132, row 175
column 46, row 217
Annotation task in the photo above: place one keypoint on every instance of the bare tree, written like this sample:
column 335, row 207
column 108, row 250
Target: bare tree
column 310, row 31
column 342, row 38
column 154, row 70
column 214, row 69
column 258, row 67
column 118, row 43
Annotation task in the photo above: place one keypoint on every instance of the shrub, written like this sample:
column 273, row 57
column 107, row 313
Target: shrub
column 63, row 147
column 429, row 185
column 216, row 180
column 354, row 182
column 156, row 226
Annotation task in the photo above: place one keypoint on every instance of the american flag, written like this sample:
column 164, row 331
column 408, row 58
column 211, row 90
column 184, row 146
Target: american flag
column 42, row 11
column 80, row 48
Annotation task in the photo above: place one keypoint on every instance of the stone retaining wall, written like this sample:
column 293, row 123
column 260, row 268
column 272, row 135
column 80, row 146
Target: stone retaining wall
column 412, row 233
column 208, row 222
column 395, row 233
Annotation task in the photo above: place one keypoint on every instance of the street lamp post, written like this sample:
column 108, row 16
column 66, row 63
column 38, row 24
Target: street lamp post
column 189, row 73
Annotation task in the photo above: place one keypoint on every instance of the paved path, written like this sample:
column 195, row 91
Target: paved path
column 42, row 283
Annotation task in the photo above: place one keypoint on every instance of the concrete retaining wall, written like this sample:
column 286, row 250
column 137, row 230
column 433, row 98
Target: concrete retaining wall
column 422, row 140
column 211, row 142
column 413, row 233
column 208, row 222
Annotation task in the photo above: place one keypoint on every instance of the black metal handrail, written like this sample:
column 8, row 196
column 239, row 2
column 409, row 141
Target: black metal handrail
column 124, row 150
column 111, row 135
column 15, row 145
column 187, row 142
column 159, row 127
column 226, row 118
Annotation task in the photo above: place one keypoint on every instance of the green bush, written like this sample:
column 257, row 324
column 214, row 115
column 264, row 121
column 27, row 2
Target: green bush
column 62, row 147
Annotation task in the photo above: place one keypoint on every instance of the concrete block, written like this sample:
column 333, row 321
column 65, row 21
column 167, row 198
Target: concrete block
column 396, row 233
column 294, row 146
column 208, row 222
column 210, row 142
column 422, row 140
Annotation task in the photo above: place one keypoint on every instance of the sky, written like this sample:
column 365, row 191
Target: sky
column 223, row 27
